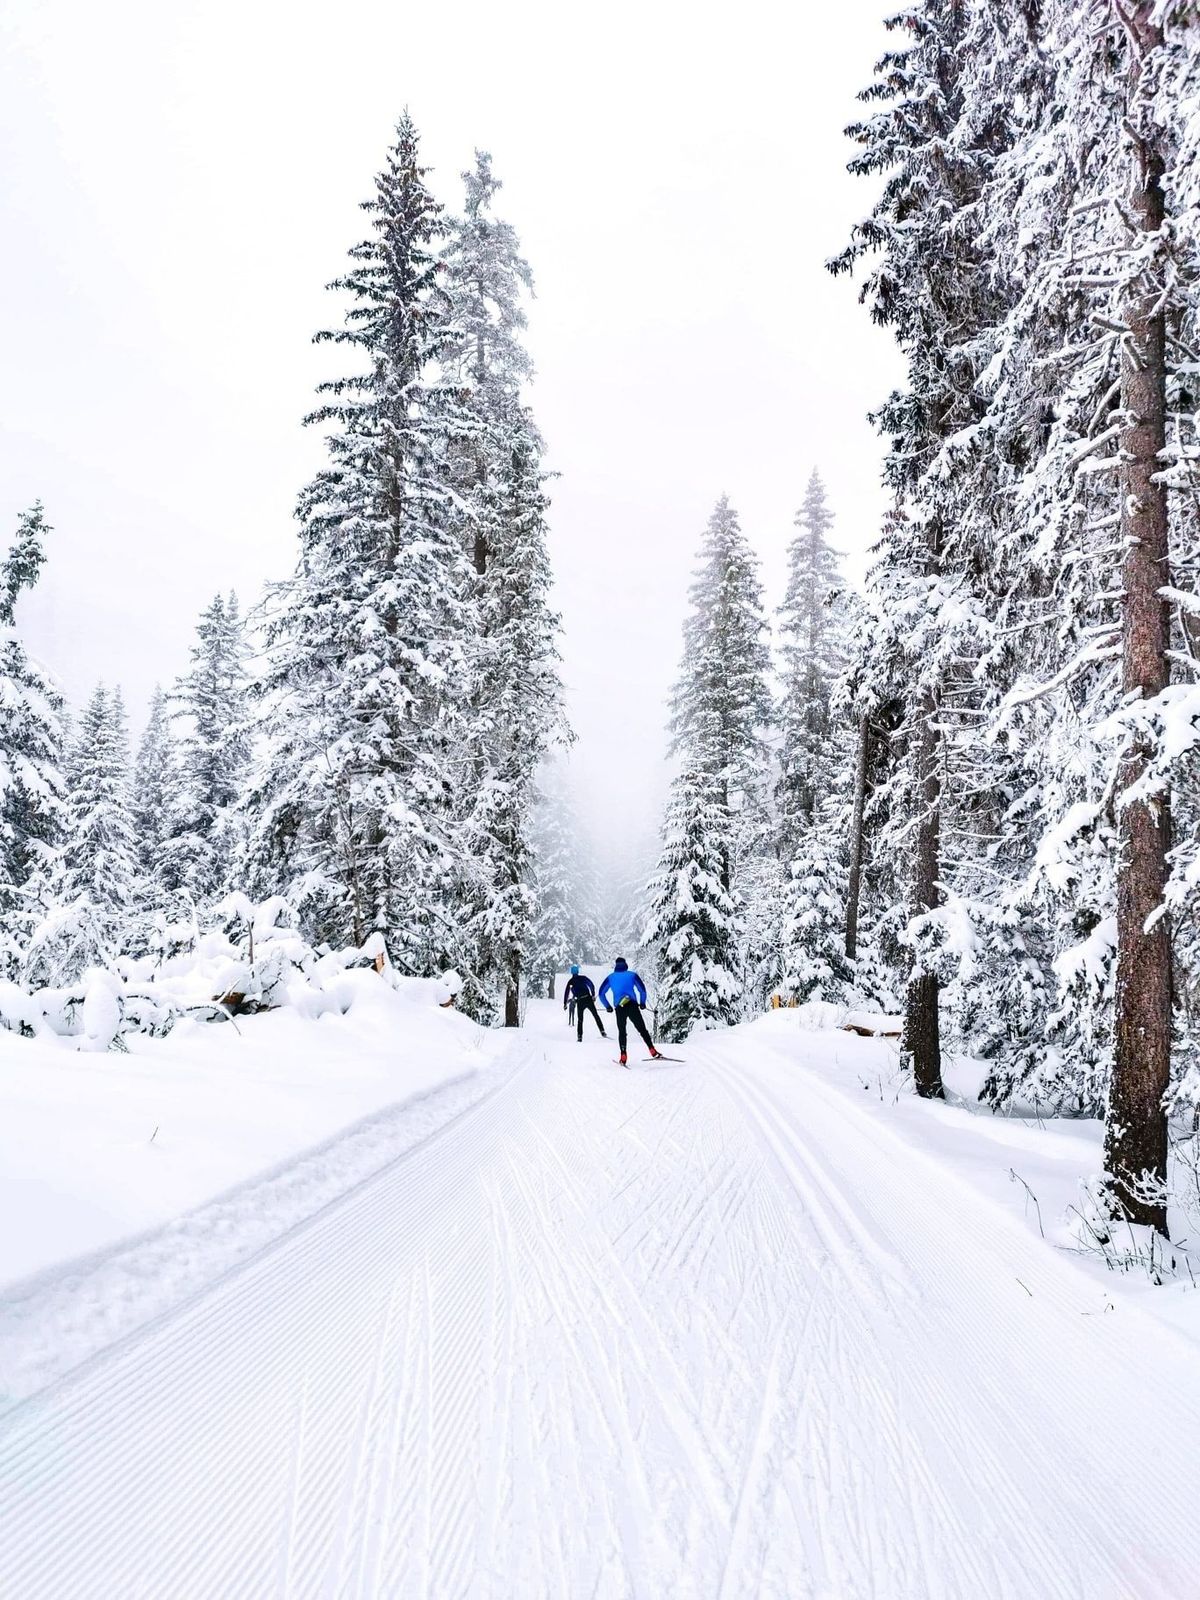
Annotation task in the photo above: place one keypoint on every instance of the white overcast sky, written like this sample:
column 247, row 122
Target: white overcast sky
column 180, row 179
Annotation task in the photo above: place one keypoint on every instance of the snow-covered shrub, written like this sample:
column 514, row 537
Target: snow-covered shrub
column 255, row 961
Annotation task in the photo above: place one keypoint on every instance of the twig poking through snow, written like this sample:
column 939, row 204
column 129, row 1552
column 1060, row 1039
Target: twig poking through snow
column 1014, row 1174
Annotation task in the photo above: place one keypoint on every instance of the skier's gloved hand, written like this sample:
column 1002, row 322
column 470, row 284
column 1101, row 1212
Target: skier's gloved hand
column 607, row 1007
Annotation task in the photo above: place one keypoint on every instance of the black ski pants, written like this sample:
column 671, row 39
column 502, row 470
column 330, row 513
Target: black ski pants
column 586, row 1003
column 629, row 1011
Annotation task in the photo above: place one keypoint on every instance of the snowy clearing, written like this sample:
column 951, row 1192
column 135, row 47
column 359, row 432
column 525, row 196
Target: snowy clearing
column 712, row 1330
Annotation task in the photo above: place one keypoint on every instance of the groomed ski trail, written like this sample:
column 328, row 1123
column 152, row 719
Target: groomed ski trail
column 702, row 1330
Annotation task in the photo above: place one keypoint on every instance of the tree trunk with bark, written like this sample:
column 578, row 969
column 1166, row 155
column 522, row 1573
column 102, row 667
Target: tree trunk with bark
column 922, row 1041
column 1135, row 1138
column 854, row 885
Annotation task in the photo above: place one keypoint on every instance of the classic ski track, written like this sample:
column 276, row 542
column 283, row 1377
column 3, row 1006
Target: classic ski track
column 621, row 1335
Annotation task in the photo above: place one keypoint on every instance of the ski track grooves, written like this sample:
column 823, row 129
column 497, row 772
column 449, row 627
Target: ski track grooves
column 714, row 1333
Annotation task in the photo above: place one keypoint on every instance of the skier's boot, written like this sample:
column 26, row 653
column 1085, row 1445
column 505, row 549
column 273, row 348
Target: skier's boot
column 655, row 1055
column 624, row 1063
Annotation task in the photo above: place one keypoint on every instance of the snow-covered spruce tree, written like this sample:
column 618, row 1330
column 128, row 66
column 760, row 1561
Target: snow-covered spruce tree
column 92, row 883
column 807, row 889
column 721, row 704
column 512, row 704
column 692, row 927
column 32, row 814
column 487, row 279
column 1135, row 1132
column 363, row 685
column 812, row 656
column 1177, row 109
column 155, row 806
column 815, row 966
column 209, row 706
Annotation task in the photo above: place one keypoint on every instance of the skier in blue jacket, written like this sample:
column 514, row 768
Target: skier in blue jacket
column 627, row 993
column 580, row 996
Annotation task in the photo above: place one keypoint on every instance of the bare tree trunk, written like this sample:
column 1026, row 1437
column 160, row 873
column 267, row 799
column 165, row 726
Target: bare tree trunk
column 550, row 995
column 922, row 1042
column 512, row 997
column 854, row 886
column 1135, row 1138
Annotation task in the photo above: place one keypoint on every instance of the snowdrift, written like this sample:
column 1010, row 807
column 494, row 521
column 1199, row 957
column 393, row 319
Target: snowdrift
column 97, row 1145
column 256, row 962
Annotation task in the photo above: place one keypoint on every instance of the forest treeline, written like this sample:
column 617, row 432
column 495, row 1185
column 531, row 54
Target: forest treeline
column 362, row 756
column 988, row 808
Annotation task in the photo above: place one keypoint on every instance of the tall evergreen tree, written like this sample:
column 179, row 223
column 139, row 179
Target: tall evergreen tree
column 364, row 676
column 93, row 880
column 32, row 814
column 514, row 707
column 692, row 926
column 213, row 753
column 812, row 658
column 1136, row 1144
column 487, row 278
column 511, row 707
column 155, row 810
column 721, row 703
column 720, row 707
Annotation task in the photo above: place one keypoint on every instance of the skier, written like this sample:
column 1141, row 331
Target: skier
column 629, row 993
column 580, row 996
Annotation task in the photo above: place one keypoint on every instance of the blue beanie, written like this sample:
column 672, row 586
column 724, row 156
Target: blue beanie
column 574, row 970
column 620, row 964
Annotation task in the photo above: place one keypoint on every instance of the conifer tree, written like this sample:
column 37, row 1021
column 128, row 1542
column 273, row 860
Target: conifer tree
column 1136, row 1144
column 93, row 879
column 32, row 814
column 213, row 750
column 486, row 278
column 155, row 807
column 721, row 703
column 514, row 708
column 364, row 675
column 814, row 959
column 812, row 657
column 511, row 708
column 720, row 706
column 692, row 926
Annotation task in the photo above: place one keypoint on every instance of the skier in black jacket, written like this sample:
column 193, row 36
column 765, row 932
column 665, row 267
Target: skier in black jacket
column 581, row 992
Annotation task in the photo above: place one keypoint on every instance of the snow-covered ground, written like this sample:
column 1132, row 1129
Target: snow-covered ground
column 131, row 1180
column 749, row 1326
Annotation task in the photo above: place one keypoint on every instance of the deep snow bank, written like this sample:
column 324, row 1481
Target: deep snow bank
column 133, row 1181
column 1041, row 1169
column 96, row 1147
